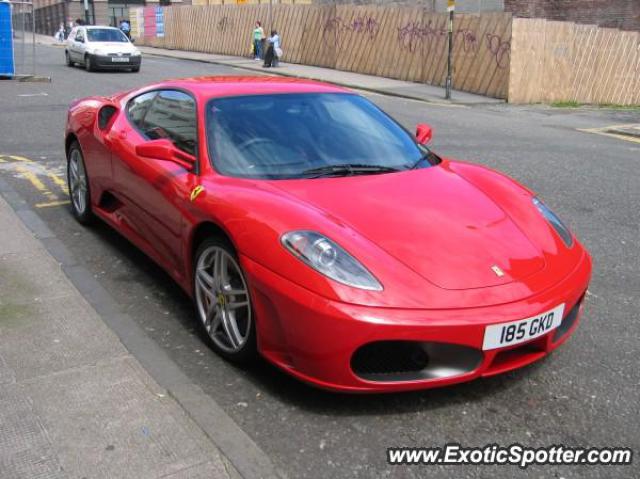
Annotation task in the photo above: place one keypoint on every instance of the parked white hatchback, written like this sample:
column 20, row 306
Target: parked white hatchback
column 98, row 47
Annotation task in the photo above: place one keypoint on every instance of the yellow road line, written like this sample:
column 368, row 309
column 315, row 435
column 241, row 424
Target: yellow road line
column 20, row 158
column 35, row 181
column 59, row 181
column 52, row 203
column 604, row 132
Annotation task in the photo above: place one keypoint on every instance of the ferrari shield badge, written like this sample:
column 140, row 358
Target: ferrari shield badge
column 496, row 269
column 196, row 191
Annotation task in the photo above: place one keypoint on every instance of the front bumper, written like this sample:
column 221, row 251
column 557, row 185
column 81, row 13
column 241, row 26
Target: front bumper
column 315, row 339
column 105, row 62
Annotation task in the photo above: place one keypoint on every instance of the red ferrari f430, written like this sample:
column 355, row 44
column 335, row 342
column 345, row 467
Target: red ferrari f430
column 310, row 228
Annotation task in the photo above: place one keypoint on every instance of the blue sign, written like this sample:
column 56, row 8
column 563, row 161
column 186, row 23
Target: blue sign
column 7, row 65
column 159, row 22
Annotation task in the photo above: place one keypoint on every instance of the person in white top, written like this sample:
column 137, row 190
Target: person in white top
column 271, row 57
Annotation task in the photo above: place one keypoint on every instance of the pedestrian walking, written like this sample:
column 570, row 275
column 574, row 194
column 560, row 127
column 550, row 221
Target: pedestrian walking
column 60, row 34
column 271, row 57
column 125, row 27
column 258, row 41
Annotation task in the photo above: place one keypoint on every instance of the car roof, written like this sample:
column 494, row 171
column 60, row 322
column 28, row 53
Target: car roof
column 101, row 27
column 222, row 86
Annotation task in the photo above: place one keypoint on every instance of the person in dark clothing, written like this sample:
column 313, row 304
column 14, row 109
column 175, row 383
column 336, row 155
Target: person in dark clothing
column 270, row 58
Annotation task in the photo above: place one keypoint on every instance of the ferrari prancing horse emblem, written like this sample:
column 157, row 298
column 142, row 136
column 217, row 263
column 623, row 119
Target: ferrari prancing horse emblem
column 196, row 191
column 496, row 269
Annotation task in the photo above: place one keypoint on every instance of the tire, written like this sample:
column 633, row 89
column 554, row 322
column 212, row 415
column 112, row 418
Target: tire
column 88, row 63
column 67, row 59
column 78, row 181
column 223, row 301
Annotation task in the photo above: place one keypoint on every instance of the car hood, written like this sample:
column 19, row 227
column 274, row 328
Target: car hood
column 432, row 220
column 112, row 47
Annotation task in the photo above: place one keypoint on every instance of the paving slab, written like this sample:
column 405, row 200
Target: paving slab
column 73, row 401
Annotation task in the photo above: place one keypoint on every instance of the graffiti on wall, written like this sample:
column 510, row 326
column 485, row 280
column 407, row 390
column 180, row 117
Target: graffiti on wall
column 423, row 38
column 428, row 39
column 335, row 29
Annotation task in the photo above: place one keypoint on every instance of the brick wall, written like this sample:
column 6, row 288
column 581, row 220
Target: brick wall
column 624, row 14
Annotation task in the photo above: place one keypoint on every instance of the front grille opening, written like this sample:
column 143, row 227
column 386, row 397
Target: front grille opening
column 568, row 321
column 517, row 357
column 413, row 360
column 389, row 357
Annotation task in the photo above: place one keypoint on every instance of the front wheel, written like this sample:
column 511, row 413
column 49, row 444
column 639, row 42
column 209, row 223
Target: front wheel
column 88, row 63
column 78, row 182
column 67, row 59
column 223, row 302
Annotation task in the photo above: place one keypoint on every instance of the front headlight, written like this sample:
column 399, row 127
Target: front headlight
column 135, row 53
column 557, row 224
column 102, row 53
column 328, row 258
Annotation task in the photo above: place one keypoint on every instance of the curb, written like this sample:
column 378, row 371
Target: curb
column 235, row 446
column 379, row 91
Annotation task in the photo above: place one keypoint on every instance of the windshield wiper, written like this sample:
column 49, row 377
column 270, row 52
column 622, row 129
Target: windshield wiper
column 423, row 158
column 347, row 169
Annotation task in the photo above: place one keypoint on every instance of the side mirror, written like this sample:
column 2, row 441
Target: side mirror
column 424, row 133
column 165, row 150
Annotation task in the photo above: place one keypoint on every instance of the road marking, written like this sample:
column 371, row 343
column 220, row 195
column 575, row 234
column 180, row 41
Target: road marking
column 59, row 181
column 37, row 183
column 605, row 132
column 20, row 158
column 34, row 94
column 52, row 203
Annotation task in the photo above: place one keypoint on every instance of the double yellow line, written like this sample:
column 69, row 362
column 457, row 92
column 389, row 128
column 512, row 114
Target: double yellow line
column 606, row 131
column 25, row 168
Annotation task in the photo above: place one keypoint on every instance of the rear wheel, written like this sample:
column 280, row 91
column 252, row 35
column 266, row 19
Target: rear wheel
column 67, row 59
column 88, row 63
column 223, row 302
column 78, row 182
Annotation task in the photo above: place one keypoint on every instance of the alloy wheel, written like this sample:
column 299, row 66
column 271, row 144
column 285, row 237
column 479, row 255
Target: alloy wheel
column 222, row 299
column 77, row 182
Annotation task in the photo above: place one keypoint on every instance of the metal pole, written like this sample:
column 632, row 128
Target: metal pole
column 33, row 39
column 451, row 8
column 86, row 11
column 24, row 36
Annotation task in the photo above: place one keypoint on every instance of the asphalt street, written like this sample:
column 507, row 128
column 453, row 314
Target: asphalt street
column 585, row 394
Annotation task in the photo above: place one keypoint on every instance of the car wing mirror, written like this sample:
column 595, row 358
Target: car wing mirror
column 165, row 150
column 424, row 133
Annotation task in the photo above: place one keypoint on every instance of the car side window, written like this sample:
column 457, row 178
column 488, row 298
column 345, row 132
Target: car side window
column 137, row 108
column 172, row 115
column 79, row 36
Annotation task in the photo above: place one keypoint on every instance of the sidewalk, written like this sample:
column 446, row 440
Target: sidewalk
column 73, row 401
column 384, row 86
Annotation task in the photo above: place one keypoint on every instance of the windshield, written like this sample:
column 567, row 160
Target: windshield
column 106, row 35
column 302, row 135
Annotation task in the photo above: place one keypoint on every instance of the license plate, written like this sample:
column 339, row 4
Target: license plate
column 120, row 59
column 515, row 332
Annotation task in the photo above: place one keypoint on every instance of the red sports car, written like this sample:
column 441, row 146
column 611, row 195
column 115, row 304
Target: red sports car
column 313, row 229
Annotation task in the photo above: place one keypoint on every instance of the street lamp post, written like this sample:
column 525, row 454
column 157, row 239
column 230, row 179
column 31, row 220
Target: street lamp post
column 451, row 6
column 86, row 11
